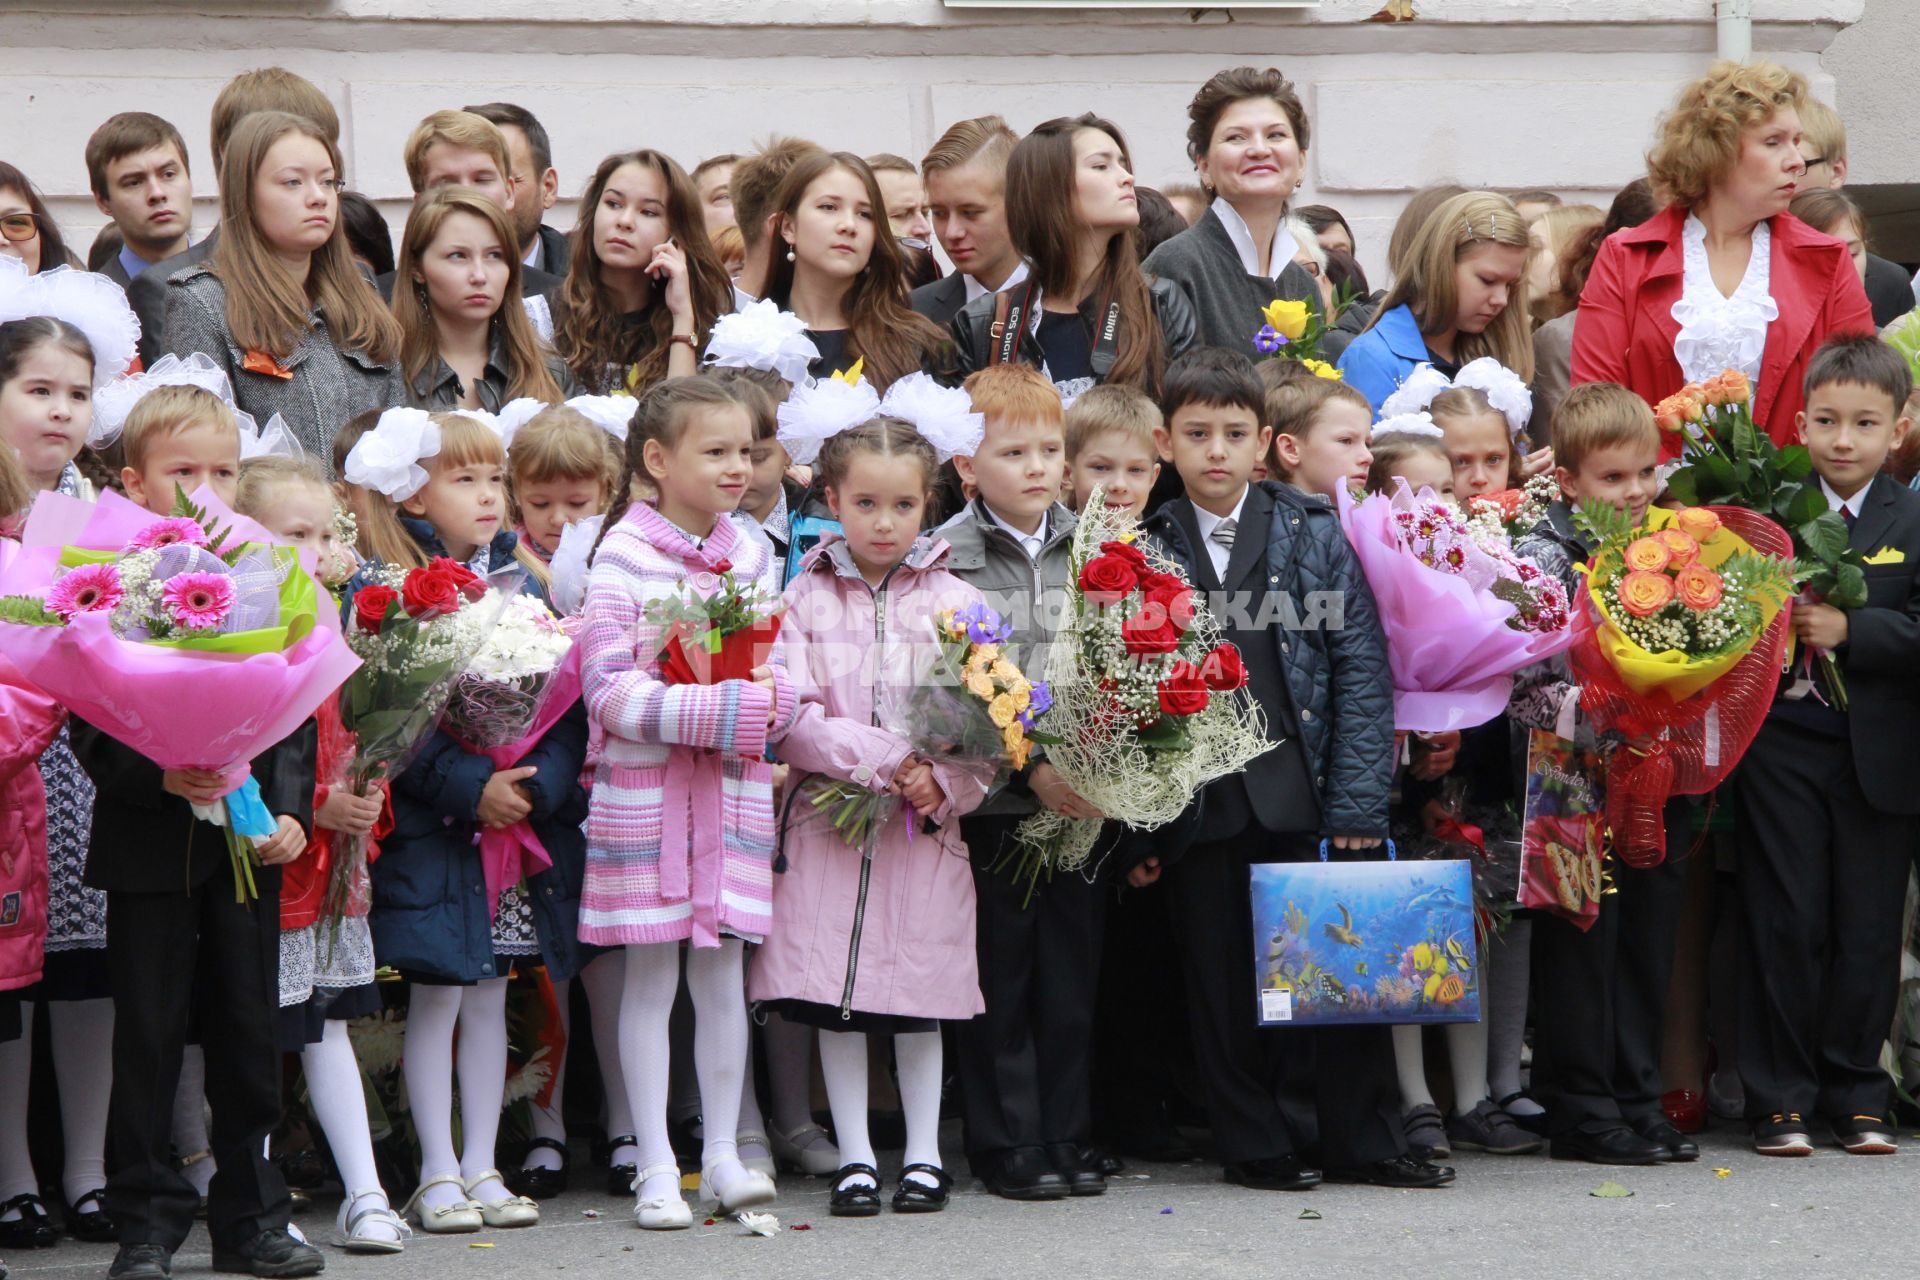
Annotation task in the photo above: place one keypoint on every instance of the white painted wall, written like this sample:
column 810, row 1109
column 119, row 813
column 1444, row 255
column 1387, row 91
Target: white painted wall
column 1504, row 93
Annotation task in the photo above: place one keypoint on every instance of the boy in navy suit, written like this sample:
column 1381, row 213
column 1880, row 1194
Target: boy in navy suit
column 1825, row 803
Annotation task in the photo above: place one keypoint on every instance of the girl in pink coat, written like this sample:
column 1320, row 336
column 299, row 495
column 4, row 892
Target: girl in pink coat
column 878, row 939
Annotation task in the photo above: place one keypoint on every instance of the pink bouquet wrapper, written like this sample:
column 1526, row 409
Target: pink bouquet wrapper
column 1451, row 652
column 180, row 709
column 510, row 854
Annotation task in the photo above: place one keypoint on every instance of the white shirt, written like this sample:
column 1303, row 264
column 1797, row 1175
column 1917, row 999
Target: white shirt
column 1208, row 522
column 742, row 299
column 1852, row 506
column 1718, row 332
column 977, row 290
column 1031, row 543
column 1284, row 246
column 535, row 254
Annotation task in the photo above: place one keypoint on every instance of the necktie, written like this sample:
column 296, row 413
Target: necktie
column 1846, row 513
column 1223, row 533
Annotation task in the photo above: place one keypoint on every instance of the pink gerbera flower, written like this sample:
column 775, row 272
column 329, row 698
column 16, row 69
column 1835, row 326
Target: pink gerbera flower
column 91, row 588
column 166, row 533
column 198, row 601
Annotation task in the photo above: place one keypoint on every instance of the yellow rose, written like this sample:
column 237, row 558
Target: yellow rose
column 1678, row 541
column 1005, row 671
column 1321, row 369
column 1014, row 733
column 980, row 684
column 1021, row 692
column 1002, row 711
column 982, row 656
column 1648, row 555
column 1017, row 753
column 1288, row 316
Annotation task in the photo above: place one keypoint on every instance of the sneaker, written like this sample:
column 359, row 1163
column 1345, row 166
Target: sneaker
column 1782, row 1135
column 1487, row 1128
column 1865, row 1136
column 1426, row 1132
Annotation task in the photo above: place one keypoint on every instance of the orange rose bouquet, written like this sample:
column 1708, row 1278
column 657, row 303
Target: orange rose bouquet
column 1678, row 652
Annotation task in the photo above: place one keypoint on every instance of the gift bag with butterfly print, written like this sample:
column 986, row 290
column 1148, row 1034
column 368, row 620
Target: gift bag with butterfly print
column 1564, row 835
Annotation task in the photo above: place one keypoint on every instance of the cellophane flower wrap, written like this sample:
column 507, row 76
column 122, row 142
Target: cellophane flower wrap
column 514, row 688
column 717, row 630
column 1143, row 713
column 1679, row 641
column 966, row 704
column 415, row 631
column 1460, row 610
column 193, row 638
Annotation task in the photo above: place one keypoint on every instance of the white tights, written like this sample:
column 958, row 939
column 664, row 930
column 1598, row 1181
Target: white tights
column 843, row 1064
column 716, row 981
column 340, row 1104
column 82, row 1041
column 480, row 1013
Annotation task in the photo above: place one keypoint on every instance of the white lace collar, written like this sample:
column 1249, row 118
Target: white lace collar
column 1718, row 332
column 1284, row 246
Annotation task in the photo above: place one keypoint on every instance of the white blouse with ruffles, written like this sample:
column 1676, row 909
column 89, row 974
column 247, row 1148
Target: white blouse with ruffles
column 1719, row 332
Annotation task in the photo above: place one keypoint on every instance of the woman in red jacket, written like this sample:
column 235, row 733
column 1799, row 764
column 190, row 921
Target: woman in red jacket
column 1724, row 277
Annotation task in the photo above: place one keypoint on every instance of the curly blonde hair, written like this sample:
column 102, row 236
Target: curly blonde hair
column 1699, row 140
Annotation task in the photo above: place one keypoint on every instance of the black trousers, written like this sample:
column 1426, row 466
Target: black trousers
column 1600, row 995
column 182, row 963
column 1328, row 1093
column 1025, row 1065
column 1822, row 884
column 1142, row 1044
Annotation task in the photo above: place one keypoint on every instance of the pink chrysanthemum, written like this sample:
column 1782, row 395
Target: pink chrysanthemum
column 91, row 588
column 166, row 533
column 198, row 601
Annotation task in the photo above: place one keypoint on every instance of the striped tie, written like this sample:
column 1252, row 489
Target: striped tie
column 1223, row 533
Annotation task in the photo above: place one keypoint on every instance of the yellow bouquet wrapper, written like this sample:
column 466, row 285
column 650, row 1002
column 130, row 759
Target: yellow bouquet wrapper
column 1671, row 673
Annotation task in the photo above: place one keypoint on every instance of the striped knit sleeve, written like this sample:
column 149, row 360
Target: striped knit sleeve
column 618, row 665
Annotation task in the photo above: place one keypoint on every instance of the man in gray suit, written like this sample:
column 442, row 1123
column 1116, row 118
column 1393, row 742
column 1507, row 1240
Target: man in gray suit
column 137, row 165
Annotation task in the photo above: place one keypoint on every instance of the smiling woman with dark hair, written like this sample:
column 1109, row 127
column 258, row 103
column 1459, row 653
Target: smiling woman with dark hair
column 1247, row 135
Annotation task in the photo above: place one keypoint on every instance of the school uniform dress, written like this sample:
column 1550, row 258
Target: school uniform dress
column 1652, row 320
column 185, row 962
column 1828, row 817
column 1328, row 702
column 1216, row 266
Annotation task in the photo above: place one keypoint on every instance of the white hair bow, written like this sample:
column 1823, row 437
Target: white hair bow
column 762, row 336
column 943, row 415
column 1500, row 385
column 114, row 402
column 93, row 304
column 1407, row 424
column 388, row 458
column 818, row 411
column 274, row 440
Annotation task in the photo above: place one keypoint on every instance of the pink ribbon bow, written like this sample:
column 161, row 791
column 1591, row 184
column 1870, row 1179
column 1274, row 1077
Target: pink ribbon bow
column 509, row 855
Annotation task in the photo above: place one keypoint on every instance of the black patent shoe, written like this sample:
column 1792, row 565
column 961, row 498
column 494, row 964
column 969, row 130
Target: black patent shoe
column 620, row 1177
column 1675, row 1146
column 33, row 1229
column 1025, row 1173
column 91, row 1226
column 1068, row 1161
column 914, row 1196
column 1273, row 1173
column 1102, row 1161
column 1612, row 1145
column 538, row 1183
column 855, row 1201
column 1403, row 1172
column 272, row 1255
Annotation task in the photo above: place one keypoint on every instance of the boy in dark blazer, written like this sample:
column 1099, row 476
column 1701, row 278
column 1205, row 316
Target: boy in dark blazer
column 1321, row 678
column 1825, row 803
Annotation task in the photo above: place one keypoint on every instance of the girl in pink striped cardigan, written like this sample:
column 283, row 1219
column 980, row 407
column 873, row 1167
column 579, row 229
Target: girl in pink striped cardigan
column 680, row 831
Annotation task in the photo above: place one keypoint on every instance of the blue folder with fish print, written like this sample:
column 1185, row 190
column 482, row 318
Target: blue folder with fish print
column 1354, row 943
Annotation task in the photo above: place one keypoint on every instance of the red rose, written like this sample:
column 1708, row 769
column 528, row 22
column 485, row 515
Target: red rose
column 470, row 584
column 724, row 566
column 1125, row 551
column 1105, row 579
column 370, row 607
column 1173, row 599
column 1183, row 692
column 1223, row 670
column 1150, row 632
column 427, row 593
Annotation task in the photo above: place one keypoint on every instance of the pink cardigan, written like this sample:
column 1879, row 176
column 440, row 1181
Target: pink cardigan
column 914, row 953
column 29, row 722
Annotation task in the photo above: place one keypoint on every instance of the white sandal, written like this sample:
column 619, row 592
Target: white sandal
column 508, row 1211
column 751, row 1191
column 661, row 1213
column 454, row 1219
column 348, row 1234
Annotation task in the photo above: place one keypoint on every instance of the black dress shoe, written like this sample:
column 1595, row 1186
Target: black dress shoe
column 537, row 1182
column 1069, row 1162
column 620, row 1176
column 1615, row 1144
column 915, row 1196
column 1274, row 1173
column 272, row 1254
column 1399, row 1171
column 141, row 1262
column 33, row 1229
column 90, row 1225
column 855, row 1199
column 1025, row 1173
column 1102, row 1161
column 1677, row 1147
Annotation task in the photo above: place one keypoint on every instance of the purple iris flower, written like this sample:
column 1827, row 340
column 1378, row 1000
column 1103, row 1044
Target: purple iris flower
column 1269, row 339
column 983, row 624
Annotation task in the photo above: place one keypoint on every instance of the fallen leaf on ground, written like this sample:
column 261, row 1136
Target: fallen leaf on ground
column 1309, row 1215
column 1723, row 1173
column 480, row 1244
column 1610, row 1190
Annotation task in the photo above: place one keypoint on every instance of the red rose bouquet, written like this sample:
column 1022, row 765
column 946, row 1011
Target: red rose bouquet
column 1142, row 714
column 718, row 631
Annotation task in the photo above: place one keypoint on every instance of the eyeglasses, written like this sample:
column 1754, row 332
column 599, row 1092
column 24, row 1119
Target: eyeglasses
column 19, row 226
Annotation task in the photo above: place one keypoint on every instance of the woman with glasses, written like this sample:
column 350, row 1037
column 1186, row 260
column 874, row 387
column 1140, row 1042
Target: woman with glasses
column 27, row 231
column 280, row 305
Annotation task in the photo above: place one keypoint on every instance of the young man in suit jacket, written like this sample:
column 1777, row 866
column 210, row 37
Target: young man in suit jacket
column 1825, row 803
column 1266, row 552
column 966, row 177
column 137, row 167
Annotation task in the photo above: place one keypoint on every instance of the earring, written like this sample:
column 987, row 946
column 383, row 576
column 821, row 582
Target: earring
column 789, row 253
column 420, row 292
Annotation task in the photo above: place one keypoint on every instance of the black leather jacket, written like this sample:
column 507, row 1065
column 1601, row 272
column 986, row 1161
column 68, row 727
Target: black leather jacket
column 973, row 339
